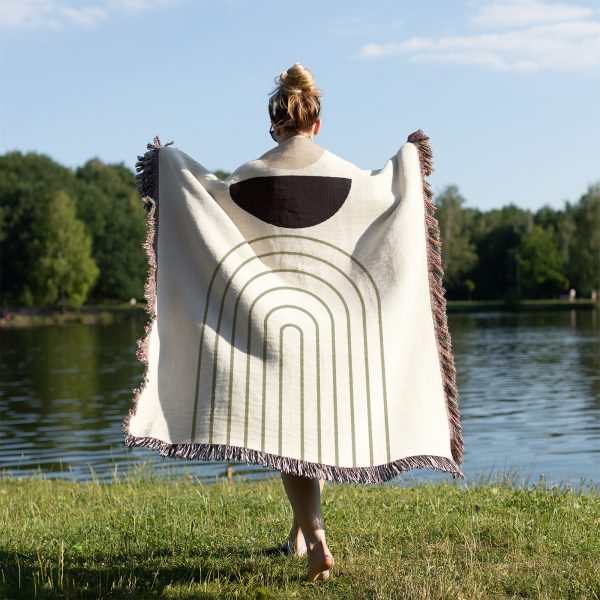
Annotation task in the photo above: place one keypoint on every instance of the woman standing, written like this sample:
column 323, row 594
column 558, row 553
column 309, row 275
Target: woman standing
column 294, row 108
column 298, row 316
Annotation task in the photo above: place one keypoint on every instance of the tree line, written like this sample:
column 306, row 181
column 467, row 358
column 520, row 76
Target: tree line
column 514, row 253
column 74, row 236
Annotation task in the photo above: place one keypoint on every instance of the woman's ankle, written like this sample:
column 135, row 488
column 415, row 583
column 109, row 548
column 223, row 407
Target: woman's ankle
column 316, row 541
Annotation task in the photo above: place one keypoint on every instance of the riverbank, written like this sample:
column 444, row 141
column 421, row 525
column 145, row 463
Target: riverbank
column 152, row 537
column 111, row 313
column 93, row 314
column 523, row 305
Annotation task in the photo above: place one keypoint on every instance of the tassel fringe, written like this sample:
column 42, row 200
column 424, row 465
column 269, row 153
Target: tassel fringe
column 438, row 300
column 147, row 185
column 224, row 452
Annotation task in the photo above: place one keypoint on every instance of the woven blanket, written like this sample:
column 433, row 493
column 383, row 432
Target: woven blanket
column 296, row 315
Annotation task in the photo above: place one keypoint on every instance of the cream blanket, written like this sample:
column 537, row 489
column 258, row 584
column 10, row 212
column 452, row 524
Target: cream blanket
column 297, row 315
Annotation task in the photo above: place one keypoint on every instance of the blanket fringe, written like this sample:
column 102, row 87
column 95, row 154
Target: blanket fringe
column 224, row 452
column 147, row 186
column 438, row 299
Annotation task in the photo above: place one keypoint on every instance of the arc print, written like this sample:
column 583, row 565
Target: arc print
column 374, row 306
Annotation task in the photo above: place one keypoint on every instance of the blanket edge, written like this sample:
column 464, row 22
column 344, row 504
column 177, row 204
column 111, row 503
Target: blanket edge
column 437, row 294
column 147, row 187
column 294, row 466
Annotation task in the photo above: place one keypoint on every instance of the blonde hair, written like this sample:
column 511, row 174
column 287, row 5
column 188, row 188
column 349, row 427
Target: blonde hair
column 295, row 103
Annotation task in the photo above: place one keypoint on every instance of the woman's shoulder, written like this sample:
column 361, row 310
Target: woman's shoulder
column 299, row 153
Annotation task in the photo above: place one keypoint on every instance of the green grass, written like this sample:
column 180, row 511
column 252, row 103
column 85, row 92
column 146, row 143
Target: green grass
column 146, row 536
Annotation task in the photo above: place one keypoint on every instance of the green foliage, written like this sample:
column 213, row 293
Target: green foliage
column 64, row 269
column 106, row 201
column 520, row 254
column 496, row 233
column 221, row 174
column 509, row 253
column 469, row 286
column 27, row 181
column 584, row 245
column 540, row 266
column 113, row 212
column 458, row 250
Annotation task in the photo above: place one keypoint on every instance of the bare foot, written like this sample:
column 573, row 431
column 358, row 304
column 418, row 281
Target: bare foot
column 320, row 560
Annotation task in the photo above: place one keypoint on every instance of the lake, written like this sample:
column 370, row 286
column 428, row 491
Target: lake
column 529, row 395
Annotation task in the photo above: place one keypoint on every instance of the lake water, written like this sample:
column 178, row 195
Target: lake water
column 529, row 395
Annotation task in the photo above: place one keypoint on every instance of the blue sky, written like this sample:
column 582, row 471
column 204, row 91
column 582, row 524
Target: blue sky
column 507, row 90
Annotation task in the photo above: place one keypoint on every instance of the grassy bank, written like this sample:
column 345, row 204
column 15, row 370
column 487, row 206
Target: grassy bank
column 111, row 313
column 146, row 537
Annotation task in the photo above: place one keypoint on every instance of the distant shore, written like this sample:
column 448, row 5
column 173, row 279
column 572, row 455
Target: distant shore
column 19, row 316
column 523, row 305
column 93, row 314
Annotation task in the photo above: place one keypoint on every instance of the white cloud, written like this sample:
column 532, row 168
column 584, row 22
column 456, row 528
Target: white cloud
column 138, row 5
column 556, row 39
column 56, row 14
column 86, row 16
column 519, row 13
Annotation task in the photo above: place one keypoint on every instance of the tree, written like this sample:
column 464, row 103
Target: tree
column 469, row 286
column 562, row 226
column 497, row 232
column 458, row 251
column 584, row 251
column 540, row 265
column 111, row 208
column 26, row 183
column 65, row 269
column 221, row 174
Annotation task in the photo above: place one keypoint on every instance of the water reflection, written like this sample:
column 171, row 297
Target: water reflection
column 529, row 396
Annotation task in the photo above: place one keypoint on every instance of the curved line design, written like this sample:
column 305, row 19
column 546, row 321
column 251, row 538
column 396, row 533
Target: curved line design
column 248, row 354
column 301, row 333
column 351, row 388
column 232, row 344
column 264, row 368
column 301, row 380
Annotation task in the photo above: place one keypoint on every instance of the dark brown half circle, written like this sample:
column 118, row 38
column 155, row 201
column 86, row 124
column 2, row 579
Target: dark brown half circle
column 291, row 200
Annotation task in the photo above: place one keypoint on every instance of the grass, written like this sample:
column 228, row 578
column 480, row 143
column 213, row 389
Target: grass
column 148, row 536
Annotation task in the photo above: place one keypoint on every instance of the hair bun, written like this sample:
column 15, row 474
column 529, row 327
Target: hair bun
column 297, row 80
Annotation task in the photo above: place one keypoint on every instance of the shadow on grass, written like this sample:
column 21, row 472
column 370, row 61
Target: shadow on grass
column 28, row 575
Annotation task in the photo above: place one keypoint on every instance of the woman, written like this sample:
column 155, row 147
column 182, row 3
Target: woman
column 294, row 109
column 298, row 316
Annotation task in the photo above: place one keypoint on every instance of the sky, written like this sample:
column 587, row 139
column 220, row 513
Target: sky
column 508, row 91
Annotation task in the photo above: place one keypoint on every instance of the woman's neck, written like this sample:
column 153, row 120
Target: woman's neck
column 305, row 135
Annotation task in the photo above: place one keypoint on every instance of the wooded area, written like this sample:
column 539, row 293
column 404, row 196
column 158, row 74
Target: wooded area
column 74, row 236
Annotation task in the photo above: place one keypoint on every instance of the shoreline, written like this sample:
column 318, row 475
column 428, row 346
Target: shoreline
column 102, row 314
